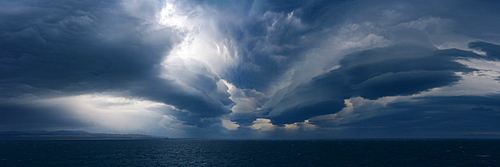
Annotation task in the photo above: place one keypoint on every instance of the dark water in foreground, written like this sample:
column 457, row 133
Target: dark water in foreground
column 184, row 152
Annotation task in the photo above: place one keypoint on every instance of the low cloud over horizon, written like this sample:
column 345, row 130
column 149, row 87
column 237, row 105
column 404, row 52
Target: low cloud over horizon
column 252, row 69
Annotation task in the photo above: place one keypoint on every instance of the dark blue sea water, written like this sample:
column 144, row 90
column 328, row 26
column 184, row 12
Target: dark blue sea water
column 190, row 152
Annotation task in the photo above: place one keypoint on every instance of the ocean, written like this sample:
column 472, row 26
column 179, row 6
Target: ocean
column 197, row 152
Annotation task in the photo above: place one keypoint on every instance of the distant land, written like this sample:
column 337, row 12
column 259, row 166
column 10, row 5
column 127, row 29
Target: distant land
column 71, row 135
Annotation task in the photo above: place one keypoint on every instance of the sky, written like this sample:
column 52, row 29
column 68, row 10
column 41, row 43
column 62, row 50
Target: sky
column 252, row 69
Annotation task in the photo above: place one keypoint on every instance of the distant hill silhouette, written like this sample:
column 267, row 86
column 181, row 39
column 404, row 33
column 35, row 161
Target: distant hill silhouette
column 71, row 135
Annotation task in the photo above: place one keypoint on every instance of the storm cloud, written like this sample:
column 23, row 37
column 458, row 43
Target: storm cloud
column 432, row 116
column 55, row 49
column 398, row 70
column 250, row 69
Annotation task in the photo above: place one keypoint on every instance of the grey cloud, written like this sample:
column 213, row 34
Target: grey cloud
column 433, row 116
column 304, row 111
column 248, row 101
column 410, row 66
column 60, row 45
column 397, row 70
column 414, row 28
column 403, row 83
column 276, row 34
column 65, row 48
column 475, row 19
column 492, row 50
column 62, row 48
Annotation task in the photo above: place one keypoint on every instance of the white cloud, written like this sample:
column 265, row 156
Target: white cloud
column 245, row 103
column 203, row 45
column 307, row 126
column 229, row 125
column 263, row 124
column 300, row 126
column 204, row 50
column 291, row 126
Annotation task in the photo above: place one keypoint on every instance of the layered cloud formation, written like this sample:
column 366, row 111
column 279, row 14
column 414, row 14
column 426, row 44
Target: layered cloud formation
column 251, row 69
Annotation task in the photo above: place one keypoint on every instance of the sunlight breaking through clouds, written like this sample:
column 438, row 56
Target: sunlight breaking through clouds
column 111, row 113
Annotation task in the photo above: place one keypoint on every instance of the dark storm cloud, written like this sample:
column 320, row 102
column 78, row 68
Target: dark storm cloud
column 397, row 70
column 492, row 51
column 407, row 75
column 76, row 46
column 476, row 19
column 432, row 116
column 283, row 60
column 195, row 109
column 21, row 116
column 403, row 83
column 401, row 70
column 59, row 48
column 250, row 99
column 275, row 34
